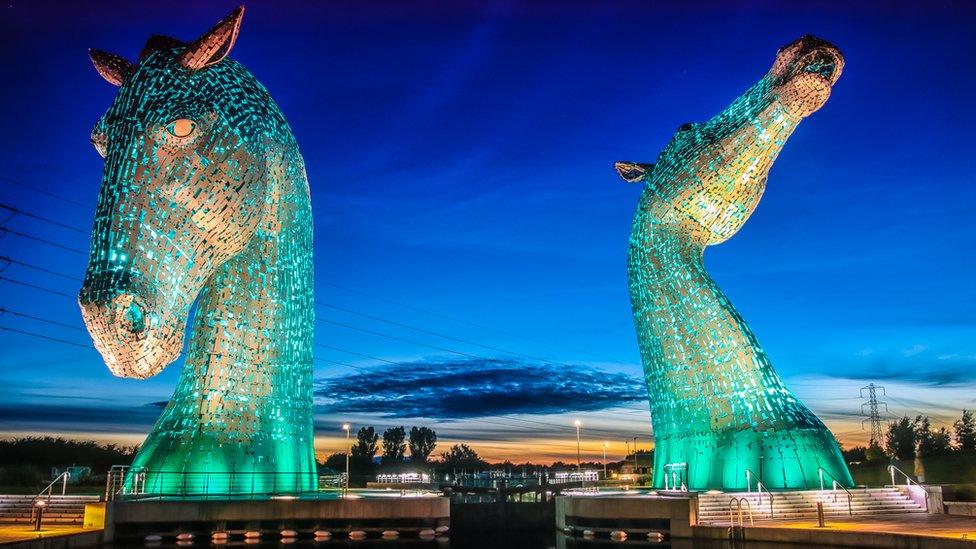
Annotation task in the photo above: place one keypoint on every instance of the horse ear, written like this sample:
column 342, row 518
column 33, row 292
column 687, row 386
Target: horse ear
column 215, row 44
column 113, row 68
column 632, row 172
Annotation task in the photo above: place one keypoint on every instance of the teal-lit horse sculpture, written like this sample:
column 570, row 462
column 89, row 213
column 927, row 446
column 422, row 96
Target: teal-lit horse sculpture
column 204, row 199
column 721, row 414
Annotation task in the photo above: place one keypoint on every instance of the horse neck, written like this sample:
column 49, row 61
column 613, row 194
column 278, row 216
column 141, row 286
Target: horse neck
column 257, row 310
column 696, row 349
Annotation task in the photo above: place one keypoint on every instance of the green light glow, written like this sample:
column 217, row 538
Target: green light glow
column 717, row 405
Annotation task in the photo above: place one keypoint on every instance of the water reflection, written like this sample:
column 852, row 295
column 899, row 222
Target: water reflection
column 554, row 540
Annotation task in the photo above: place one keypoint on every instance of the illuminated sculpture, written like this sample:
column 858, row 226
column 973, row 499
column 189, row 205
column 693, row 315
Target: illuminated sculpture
column 204, row 198
column 720, row 412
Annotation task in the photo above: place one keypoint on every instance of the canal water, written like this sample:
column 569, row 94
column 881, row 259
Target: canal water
column 555, row 540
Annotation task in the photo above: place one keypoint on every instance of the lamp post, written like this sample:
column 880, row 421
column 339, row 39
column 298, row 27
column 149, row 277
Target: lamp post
column 635, row 455
column 579, row 463
column 346, row 427
column 605, row 444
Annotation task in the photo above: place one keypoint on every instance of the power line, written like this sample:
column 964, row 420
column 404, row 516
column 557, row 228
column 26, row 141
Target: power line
column 430, row 332
column 44, row 192
column 350, row 290
column 42, row 336
column 42, row 240
column 323, row 345
column 347, row 326
column 463, row 321
column 500, row 419
column 35, row 286
column 567, row 398
column 397, row 338
column 20, row 212
column 38, row 268
column 41, row 319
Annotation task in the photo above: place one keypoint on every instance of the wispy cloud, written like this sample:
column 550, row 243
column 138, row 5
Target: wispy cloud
column 476, row 388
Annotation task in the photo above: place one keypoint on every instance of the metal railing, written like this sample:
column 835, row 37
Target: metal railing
column 63, row 477
column 43, row 499
column 760, row 487
column 126, row 482
column 736, row 503
column 909, row 481
column 834, row 484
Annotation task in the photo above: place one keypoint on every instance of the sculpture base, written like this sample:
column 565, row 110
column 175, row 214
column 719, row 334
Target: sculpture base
column 258, row 483
column 727, row 461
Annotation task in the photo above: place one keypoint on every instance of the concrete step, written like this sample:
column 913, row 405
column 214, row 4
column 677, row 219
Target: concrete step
column 714, row 508
column 67, row 509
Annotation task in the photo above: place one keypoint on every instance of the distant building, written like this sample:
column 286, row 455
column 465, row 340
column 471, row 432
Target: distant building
column 586, row 475
column 403, row 478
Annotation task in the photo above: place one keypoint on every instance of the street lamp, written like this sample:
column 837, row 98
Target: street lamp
column 605, row 444
column 579, row 465
column 346, row 427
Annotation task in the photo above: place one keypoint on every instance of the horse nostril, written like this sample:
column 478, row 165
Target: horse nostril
column 821, row 63
column 133, row 319
column 129, row 314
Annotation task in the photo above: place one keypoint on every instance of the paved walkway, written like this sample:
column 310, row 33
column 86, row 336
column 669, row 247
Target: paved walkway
column 22, row 531
column 943, row 526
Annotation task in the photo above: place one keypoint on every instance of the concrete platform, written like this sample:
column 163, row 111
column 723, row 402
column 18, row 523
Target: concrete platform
column 892, row 531
column 136, row 519
column 676, row 516
column 672, row 515
column 23, row 536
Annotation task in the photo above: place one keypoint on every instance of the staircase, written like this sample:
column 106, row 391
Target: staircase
column 60, row 510
column 714, row 508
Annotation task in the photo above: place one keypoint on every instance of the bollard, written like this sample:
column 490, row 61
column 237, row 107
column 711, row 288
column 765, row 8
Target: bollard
column 38, row 513
column 820, row 515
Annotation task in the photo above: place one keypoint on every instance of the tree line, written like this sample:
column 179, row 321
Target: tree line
column 910, row 437
column 28, row 461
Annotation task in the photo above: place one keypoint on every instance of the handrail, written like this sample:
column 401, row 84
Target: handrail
column 737, row 504
column 63, row 477
column 759, row 488
column 834, row 484
column 908, row 479
column 908, row 483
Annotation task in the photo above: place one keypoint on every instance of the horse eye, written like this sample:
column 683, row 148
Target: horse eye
column 101, row 144
column 181, row 127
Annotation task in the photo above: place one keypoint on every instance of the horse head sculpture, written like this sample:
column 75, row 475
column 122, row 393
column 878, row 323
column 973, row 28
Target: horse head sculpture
column 204, row 200
column 722, row 416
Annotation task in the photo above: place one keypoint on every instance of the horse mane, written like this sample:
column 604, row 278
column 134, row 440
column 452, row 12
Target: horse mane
column 158, row 42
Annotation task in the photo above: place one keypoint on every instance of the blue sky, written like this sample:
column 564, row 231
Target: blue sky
column 460, row 159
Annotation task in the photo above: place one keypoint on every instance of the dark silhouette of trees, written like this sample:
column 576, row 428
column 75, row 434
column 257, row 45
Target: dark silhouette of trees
column 900, row 441
column 394, row 446
column 931, row 443
column 337, row 462
column 422, row 442
column 47, row 452
column 874, row 452
column 855, row 454
column 28, row 461
column 364, row 450
column 461, row 456
column 965, row 429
